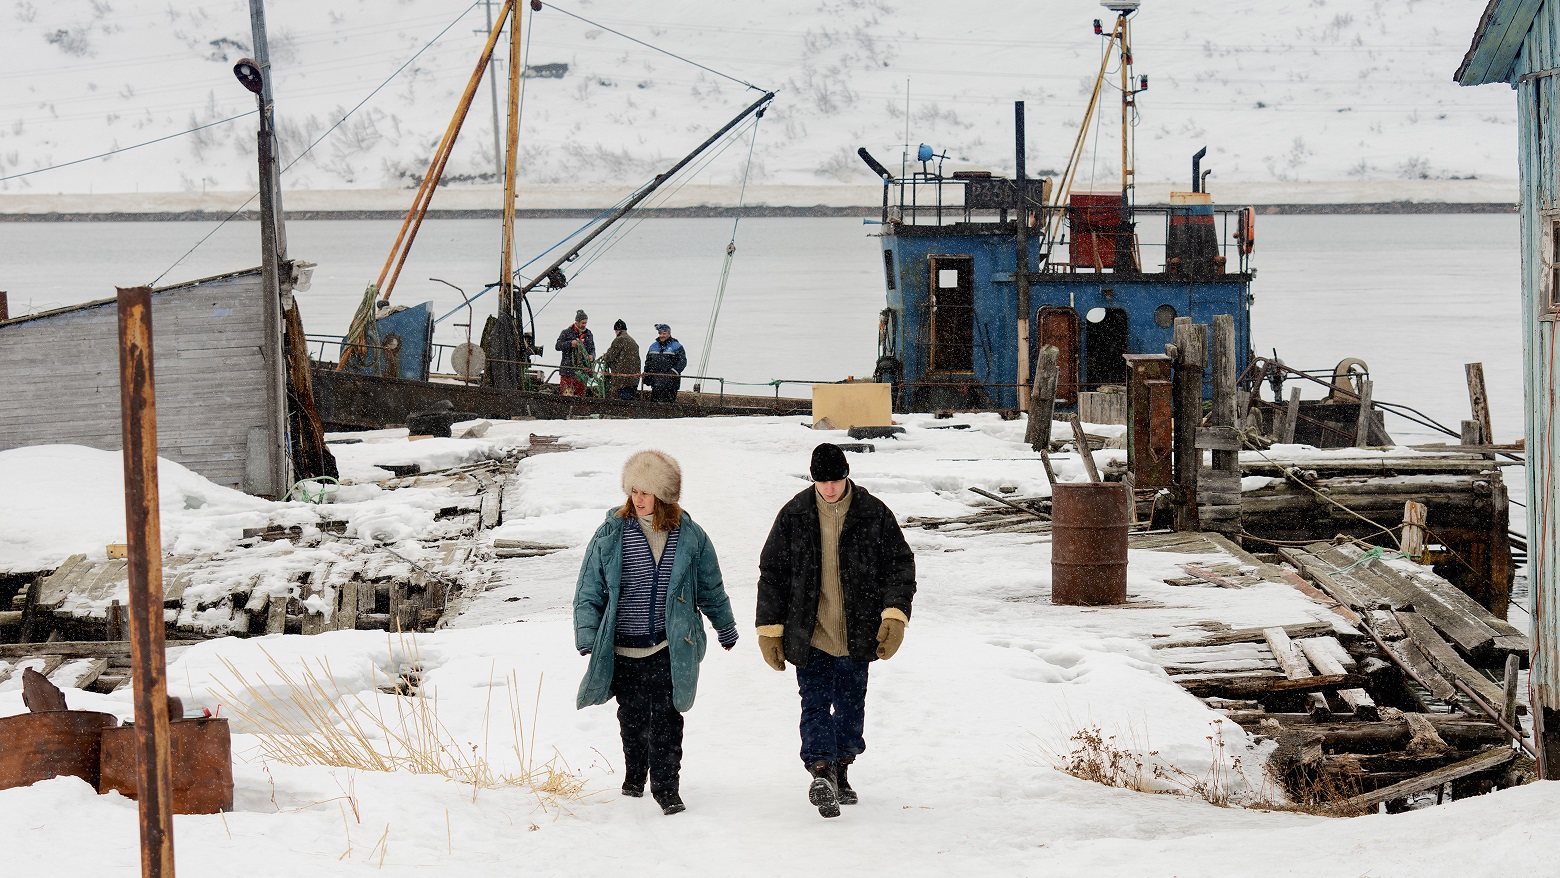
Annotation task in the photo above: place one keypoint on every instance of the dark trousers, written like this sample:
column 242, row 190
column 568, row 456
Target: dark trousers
column 663, row 388
column 627, row 393
column 834, row 707
column 652, row 728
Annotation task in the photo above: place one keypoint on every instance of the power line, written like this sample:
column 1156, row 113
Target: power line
column 225, row 220
column 654, row 48
column 127, row 148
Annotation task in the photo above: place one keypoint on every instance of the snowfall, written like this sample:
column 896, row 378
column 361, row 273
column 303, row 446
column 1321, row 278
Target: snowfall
column 966, row 726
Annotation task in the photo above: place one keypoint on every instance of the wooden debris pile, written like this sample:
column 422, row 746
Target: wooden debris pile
column 1359, row 706
column 95, row 666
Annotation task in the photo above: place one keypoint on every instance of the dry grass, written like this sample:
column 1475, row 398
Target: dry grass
column 1096, row 756
column 302, row 717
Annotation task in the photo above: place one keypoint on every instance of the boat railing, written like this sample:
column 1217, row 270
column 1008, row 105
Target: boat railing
column 543, row 372
column 930, row 200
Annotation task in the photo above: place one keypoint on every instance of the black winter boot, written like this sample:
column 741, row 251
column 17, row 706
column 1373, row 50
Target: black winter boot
column 635, row 790
column 824, row 791
column 846, row 794
column 670, row 803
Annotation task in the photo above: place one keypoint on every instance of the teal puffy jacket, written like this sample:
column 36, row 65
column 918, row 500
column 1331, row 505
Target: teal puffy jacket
column 696, row 588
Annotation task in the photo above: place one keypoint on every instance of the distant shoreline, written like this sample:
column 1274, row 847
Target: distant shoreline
column 711, row 211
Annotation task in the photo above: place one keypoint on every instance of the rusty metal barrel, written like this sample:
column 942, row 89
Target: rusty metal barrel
column 39, row 746
column 1089, row 543
column 201, row 752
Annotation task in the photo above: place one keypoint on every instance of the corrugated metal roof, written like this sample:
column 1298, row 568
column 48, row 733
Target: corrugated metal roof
column 1493, row 53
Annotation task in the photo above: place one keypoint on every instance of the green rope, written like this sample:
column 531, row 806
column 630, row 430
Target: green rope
column 1372, row 554
column 301, row 487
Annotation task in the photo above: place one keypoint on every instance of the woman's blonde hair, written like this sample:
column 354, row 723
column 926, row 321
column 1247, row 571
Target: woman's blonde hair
column 667, row 516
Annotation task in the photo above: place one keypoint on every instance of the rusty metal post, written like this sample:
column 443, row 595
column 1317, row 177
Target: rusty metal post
column 143, row 531
column 5, row 307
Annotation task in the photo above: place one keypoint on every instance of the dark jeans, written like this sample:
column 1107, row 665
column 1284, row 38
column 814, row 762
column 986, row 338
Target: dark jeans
column 652, row 728
column 834, row 707
column 627, row 393
column 663, row 388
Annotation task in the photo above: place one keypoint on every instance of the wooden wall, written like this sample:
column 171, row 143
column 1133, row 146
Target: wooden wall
column 61, row 377
column 1538, row 105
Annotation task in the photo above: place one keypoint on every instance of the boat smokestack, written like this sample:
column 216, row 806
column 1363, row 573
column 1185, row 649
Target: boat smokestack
column 1196, row 165
column 875, row 165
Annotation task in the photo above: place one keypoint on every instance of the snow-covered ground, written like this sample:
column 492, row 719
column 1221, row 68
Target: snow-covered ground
column 1281, row 91
column 963, row 725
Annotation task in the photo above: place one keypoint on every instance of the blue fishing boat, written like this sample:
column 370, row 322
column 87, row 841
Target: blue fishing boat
column 983, row 271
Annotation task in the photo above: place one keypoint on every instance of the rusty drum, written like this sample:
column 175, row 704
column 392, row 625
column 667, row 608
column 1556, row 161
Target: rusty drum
column 38, row 746
column 201, row 753
column 1089, row 543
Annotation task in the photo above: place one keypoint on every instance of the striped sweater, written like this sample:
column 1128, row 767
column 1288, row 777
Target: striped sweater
column 641, row 612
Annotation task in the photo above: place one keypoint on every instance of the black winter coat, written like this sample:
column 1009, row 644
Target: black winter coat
column 877, row 571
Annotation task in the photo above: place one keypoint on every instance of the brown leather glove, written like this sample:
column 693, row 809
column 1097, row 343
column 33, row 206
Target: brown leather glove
column 773, row 650
column 891, row 633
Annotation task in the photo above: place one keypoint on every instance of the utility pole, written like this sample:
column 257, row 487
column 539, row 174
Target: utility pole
column 255, row 75
column 498, row 140
column 1021, row 264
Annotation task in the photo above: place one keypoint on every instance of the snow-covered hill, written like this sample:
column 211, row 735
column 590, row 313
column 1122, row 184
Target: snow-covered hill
column 1280, row 90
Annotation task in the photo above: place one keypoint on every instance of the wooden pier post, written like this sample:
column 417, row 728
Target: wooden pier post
column 1479, row 402
column 1414, row 518
column 1190, row 354
column 1286, row 433
column 1218, row 487
column 143, row 532
column 1042, row 399
column 1367, row 418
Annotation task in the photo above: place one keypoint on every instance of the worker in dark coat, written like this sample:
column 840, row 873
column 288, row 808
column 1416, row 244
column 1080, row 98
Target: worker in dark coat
column 665, row 361
column 622, row 362
column 835, row 582
column 578, row 347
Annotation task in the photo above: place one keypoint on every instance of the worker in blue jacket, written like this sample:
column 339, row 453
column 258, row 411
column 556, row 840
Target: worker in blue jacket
column 665, row 361
column 649, row 572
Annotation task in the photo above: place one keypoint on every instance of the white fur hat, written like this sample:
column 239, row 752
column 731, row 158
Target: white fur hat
column 653, row 472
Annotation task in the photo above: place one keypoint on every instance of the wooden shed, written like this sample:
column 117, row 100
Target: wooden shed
column 221, row 399
column 1518, row 43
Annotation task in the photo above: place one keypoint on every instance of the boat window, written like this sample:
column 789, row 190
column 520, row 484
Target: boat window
column 953, row 314
column 1554, row 267
column 1164, row 316
column 888, row 267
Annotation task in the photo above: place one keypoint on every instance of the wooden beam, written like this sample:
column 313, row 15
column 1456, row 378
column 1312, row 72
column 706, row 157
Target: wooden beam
column 1444, row 659
column 1042, row 400
column 1249, row 635
column 1084, row 454
column 1485, row 761
column 1286, row 433
column 1269, row 685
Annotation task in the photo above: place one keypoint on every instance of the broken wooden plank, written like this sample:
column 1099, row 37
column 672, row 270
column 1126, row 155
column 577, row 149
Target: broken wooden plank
column 1289, row 659
column 1463, row 620
column 1445, row 659
column 1486, row 761
column 276, row 615
column 78, row 648
column 54, row 588
column 78, row 673
column 1319, row 572
column 1410, row 655
column 1388, row 734
column 1267, row 685
column 1250, row 635
column 1326, row 662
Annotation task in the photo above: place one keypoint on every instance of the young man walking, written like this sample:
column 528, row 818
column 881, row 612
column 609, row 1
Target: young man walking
column 835, row 583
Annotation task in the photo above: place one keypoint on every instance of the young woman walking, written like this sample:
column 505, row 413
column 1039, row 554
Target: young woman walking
column 649, row 571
